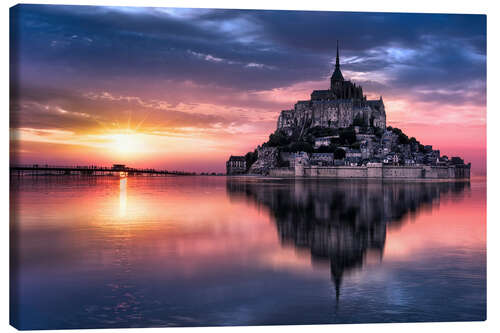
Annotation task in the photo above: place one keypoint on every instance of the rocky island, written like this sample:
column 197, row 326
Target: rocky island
column 339, row 133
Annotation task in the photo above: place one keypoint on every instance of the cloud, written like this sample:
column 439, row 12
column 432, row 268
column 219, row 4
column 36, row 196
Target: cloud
column 112, row 44
column 97, row 112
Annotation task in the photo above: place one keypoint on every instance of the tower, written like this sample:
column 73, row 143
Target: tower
column 337, row 77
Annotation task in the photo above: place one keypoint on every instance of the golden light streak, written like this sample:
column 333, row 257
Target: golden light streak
column 123, row 197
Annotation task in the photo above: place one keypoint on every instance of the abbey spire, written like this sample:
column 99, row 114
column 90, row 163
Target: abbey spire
column 337, row 74
column 337, row 62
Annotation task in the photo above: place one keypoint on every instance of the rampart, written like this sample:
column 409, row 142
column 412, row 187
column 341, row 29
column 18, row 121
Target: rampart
column 375, row 170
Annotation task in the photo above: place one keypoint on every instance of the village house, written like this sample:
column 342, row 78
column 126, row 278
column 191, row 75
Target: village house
column 236, row 165
column 322, row 159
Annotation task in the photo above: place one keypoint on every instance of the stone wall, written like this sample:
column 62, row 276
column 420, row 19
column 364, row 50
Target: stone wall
column 345, row 172
column 374, row 171
column 282, row 172
column 435, row 172
column 403, row 172
column 462, row 171
column 381, row 171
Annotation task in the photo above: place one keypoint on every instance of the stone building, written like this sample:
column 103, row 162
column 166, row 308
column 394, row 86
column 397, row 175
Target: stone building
column 341, row 106
column 322, row 159
column 236, row 165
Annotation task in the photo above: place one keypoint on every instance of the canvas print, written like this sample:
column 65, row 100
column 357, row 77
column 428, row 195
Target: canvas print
column 225, row 167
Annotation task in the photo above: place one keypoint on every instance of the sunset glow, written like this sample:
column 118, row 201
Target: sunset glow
column 126, row 143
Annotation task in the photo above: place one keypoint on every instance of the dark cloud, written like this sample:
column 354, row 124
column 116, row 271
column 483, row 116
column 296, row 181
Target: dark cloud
column 120, row 49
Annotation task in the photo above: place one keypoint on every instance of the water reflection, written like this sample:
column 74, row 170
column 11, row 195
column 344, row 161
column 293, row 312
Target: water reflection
column 123, row 197
column 341, row 222
column 96, row 252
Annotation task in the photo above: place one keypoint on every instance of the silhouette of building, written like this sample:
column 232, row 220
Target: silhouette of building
column 340, row 106
column 236, row 165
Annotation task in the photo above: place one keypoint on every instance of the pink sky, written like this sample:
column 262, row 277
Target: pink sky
column 138, row 142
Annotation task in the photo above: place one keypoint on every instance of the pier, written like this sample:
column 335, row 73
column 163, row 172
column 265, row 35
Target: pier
column 90, row 170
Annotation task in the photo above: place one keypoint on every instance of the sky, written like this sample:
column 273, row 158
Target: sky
column 183, row 89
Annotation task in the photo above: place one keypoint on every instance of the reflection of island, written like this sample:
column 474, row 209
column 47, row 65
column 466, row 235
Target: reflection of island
column 340, row 220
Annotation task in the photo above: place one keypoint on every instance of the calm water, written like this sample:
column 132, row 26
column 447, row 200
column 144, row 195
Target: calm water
column 191, row 251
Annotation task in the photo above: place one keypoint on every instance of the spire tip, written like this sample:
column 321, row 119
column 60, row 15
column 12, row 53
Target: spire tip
column 337, row 62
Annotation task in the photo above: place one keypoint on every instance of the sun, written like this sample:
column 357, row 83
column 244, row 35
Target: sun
column 126, row 143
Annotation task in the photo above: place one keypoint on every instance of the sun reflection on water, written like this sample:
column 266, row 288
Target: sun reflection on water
column 123, row 197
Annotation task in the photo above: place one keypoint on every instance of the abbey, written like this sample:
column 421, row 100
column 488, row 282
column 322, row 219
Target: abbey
column 338, row 133
column 341, row 106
